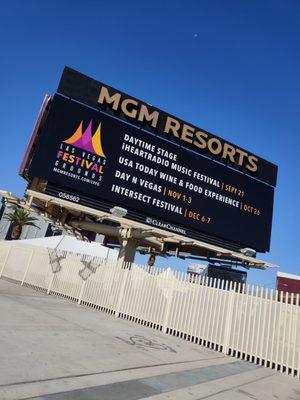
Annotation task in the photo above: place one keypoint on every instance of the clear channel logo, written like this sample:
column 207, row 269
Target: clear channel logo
column 164, row 225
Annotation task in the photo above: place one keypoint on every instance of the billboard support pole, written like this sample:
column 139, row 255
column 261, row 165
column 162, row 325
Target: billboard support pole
column 127, row 251
column 125, row 259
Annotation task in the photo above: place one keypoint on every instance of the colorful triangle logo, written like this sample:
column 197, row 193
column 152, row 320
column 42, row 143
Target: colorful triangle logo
column 86, row 141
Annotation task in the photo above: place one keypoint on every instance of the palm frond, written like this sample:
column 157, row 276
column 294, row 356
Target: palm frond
column 21, row 217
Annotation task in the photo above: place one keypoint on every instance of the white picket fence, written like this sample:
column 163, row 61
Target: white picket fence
column 248, row 322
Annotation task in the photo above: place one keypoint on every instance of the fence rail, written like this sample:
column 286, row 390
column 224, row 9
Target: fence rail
column 248, row 322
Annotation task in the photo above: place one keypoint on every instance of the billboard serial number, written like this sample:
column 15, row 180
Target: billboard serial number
column 70, row 197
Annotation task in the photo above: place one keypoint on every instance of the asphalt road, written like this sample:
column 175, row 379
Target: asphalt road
column 53, row 349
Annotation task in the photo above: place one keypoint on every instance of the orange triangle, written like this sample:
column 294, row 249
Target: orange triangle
column 77, row 135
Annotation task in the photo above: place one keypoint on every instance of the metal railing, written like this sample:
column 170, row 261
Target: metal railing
column 249, row 322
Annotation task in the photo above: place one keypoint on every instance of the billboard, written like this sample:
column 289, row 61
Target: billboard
column 95, row 156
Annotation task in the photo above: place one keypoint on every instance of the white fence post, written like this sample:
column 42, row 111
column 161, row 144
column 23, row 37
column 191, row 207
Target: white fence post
column 122, row 290
column 5, row 261
column 169, row 296
column 50, row 283
column 228, row 324
column 81, row 292
column 27, row 267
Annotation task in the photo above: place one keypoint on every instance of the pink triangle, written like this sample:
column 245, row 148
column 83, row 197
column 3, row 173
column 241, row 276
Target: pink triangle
column 85, row 142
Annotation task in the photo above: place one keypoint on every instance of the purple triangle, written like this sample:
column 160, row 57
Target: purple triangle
column 85, row 142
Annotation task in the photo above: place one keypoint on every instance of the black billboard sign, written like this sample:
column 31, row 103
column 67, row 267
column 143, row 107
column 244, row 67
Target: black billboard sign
column 95, row 94
column 107, row 159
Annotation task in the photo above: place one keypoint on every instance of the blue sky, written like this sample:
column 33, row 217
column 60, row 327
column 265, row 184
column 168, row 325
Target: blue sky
column 230, row 67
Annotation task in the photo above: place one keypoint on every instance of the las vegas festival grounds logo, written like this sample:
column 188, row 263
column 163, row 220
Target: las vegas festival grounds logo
column 86, row 141
column 81, row 156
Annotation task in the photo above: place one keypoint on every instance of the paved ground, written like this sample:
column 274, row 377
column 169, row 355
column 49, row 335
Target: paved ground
column 53, row 349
